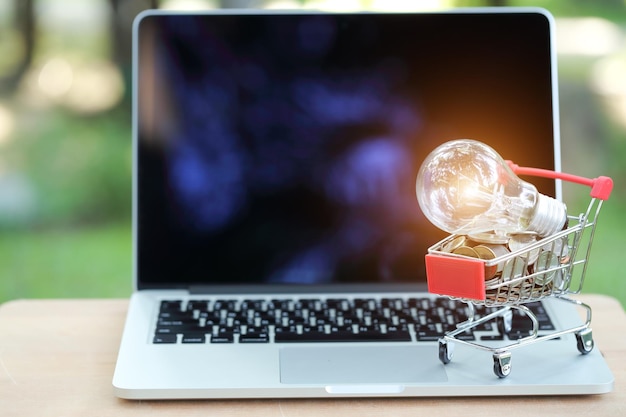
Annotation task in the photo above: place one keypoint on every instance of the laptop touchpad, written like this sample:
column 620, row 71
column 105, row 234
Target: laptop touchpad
column 360, row 365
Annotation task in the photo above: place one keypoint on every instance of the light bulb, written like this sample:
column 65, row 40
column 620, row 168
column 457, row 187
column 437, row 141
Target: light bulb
column 465, row 187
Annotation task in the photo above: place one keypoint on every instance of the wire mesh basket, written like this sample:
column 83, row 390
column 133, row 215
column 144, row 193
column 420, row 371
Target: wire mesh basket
column 517, row 270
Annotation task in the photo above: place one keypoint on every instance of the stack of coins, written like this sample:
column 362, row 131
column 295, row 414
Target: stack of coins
column 531, row 274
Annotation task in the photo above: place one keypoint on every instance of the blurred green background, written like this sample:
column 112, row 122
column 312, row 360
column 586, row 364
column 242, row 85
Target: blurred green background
column 65, row 133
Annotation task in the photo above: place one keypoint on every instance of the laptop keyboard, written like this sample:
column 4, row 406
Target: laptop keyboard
column 329, row 320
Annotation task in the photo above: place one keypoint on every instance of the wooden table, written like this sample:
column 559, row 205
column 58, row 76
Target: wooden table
column 57, row 359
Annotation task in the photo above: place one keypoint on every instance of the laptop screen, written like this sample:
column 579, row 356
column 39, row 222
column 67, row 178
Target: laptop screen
column 283, row 148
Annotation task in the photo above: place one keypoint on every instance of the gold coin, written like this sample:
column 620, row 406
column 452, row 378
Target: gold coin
column 489, row 252
column 492, row 283
column 486, row 253
column 466, row 251
column 559, row 246
column 513, row 269
column 489, row 237
column 455, row 243
column 518, row 242
column 547, row 261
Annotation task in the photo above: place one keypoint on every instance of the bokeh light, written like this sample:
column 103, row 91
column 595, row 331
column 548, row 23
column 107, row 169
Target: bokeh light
column 590, row 36
column 56, row 77
column 7, row 125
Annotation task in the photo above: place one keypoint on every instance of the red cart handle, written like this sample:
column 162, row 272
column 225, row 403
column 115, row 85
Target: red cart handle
column 601, row 187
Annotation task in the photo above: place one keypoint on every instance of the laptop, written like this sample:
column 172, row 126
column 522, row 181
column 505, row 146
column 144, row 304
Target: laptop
column 278, row 243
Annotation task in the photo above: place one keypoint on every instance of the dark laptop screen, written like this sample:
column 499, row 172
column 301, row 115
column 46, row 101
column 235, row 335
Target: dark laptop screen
column 283, row 148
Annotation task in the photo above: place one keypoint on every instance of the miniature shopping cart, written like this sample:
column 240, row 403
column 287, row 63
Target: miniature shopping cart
column 552, row 266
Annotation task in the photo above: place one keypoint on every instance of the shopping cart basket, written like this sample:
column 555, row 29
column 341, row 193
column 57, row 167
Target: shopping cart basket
column 531, row 269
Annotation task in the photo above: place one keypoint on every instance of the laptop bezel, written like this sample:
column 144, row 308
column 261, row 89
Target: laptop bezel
column 267, row 288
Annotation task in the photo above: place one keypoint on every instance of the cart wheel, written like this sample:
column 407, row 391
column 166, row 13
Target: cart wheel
column 445, row 351
column 584, row 341
column 502, row 364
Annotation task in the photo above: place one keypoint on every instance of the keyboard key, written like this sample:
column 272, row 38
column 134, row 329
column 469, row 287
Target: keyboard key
column 201, row 305
column 190, row 327
column 178, row 323
column 171, row 305
column 164, row 338
column 428, row 332
column 315, row 335
column 167, row 315
column 494, row 337
column 193, row 338
column 343, row 337
column 255, row 335
column 223, row 338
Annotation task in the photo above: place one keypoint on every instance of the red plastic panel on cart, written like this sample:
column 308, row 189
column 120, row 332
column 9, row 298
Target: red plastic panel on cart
column 455, row 277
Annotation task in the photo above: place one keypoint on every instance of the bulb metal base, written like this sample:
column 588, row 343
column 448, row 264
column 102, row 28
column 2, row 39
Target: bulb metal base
column 550, row 216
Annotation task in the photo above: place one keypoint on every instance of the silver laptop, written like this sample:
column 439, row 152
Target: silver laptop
column 278, row 244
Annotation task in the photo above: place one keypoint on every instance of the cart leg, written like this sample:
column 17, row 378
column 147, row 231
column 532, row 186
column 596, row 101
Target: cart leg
column 502, row 364
column 584, row 340
column 446, row 349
